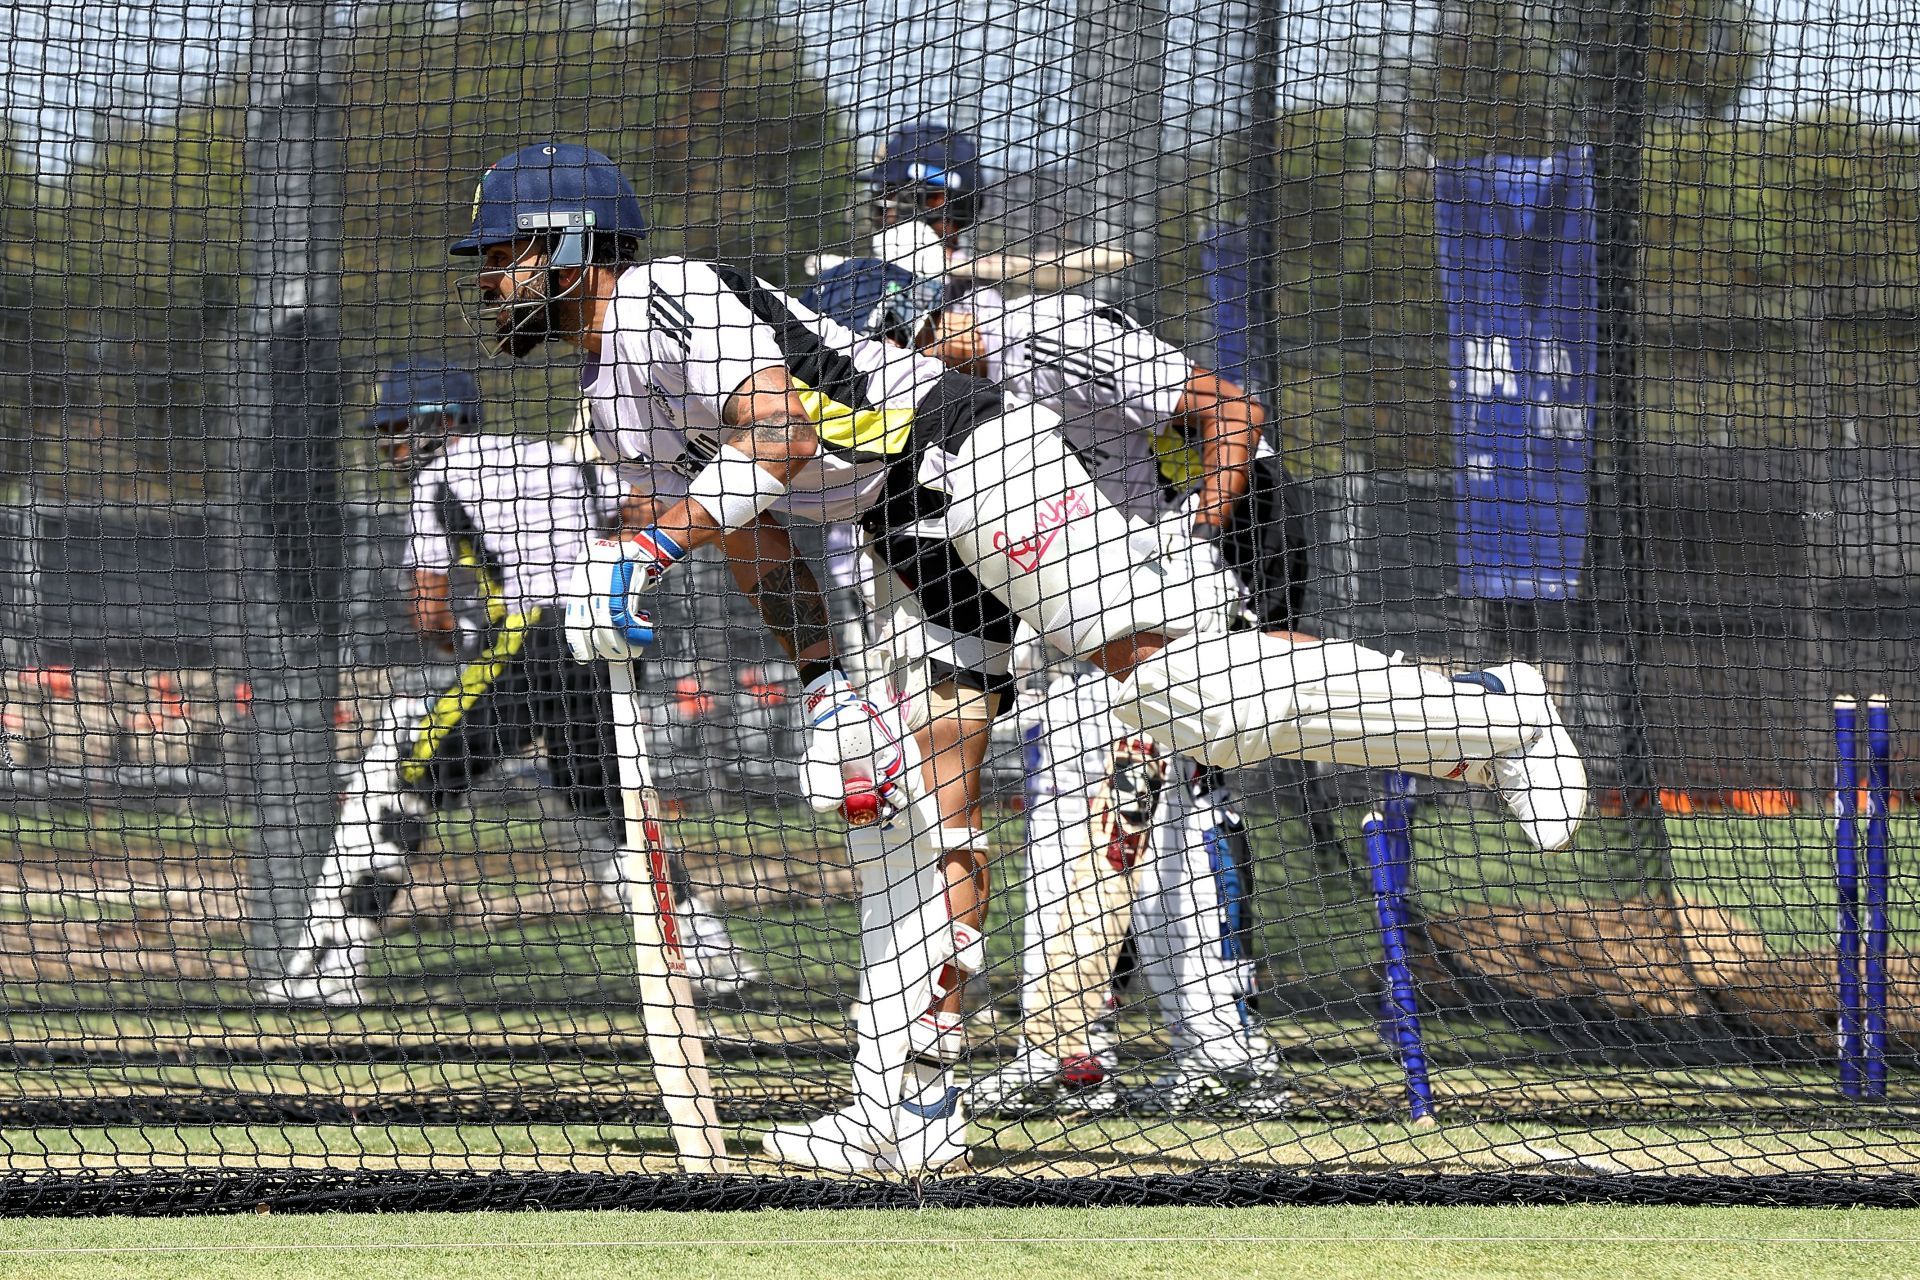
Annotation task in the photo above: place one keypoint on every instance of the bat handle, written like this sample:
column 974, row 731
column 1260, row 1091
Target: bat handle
column 861, row 808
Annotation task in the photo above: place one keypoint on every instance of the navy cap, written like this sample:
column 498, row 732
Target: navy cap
column 928, row 156
column 425, row 386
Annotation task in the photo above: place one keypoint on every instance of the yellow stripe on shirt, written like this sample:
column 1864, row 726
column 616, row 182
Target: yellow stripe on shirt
column 452, row 706
column 493, row 592
column 1181, row 466
column 874, row 432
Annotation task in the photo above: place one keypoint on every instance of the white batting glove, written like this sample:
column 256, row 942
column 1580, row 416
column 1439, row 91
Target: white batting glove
column 604, row 620
column 1198, row 565
column 854, row 762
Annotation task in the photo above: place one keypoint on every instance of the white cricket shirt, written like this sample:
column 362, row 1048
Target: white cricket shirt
column 1113, row 383
column 684, row 335
column 514, row 511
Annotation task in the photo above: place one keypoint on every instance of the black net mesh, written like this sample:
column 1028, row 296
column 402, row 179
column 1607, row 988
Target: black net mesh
column 1575, row 345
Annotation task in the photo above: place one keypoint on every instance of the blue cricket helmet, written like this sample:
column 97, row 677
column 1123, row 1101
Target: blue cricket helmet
column 923, row 160
column 874, row 298
column 559, row 188
column 425, row 386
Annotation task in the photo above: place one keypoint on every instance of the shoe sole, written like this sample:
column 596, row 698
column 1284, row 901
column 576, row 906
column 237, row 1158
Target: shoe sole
column 989, row 1096
column 1244, row 1099
column 948, row 1149
column 283, row 999
column 1012, row 1106
column 954, row 1165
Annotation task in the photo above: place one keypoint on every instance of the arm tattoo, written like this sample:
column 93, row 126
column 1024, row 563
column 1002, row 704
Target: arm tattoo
column 768, row 437
column 789, row 600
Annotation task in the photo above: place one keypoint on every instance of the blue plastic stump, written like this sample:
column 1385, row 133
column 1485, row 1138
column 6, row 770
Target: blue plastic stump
column 1389, row 859
column 1879, row 796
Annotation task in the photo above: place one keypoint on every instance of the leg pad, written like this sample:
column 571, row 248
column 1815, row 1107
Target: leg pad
column 1236, row 700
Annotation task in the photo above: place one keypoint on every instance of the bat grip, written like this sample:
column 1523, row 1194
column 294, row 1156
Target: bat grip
column 861, row 808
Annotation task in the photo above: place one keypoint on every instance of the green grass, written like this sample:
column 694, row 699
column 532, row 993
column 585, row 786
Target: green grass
column 536, row 1007
column 1041, row 1147
column 1316, row 1244
column 1775, row 873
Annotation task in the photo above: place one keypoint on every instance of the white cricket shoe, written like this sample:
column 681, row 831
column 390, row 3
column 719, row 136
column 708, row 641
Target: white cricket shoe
column 838, row 1142
column 715, row 964
column 717, row 975
column 335, row 942
column 1035, row 1081
column 1543, row 783
column 1239, row 1072
column 930, row 1124
column 325, row 975
column 1025, row 1084
column 929, row 1135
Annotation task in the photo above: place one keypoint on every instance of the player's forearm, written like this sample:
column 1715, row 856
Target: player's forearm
column 1226, row 458
column 1226, row 422
column 784, row 591
column 757, row 463
column 955, row 341
column 432, row 608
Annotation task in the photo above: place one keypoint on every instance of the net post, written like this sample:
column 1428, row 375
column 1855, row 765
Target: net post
column 288, row 536
column 1846, row 872
column 1879, row 800
column 1119, row 52
column 1389, row 859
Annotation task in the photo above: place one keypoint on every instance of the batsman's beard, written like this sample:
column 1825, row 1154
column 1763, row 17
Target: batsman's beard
column 516, row 326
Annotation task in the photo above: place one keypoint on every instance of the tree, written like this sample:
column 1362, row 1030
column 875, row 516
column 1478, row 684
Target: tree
column 1516, row 76
column 733, row 146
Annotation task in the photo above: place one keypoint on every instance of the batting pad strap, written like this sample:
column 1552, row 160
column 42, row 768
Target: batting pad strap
column 939, row 1039
column 969, row 948
column 734, row 489
column 959, row 839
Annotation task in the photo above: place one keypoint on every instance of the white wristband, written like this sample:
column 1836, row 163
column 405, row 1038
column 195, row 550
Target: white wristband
column 733, row 489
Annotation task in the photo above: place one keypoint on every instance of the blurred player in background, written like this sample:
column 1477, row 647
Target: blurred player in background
column 926, row 192
column 496, row 523
column 1120, row 834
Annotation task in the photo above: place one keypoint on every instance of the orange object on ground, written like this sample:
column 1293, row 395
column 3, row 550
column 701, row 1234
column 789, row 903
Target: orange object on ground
column 173, row 705
column 56, row 682
column 1762, row 803
column 1677, row 802
column 762, row 688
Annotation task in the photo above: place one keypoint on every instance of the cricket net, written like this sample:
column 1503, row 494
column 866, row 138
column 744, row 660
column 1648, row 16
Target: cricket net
column 1582, row 339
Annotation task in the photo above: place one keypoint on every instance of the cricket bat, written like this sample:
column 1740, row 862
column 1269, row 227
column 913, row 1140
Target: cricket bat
column 666, row 996
column 1062, row 270
column 1080, row 952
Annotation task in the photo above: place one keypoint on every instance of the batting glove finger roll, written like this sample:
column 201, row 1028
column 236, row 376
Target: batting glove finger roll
column 604, row 622
column 854, row 761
